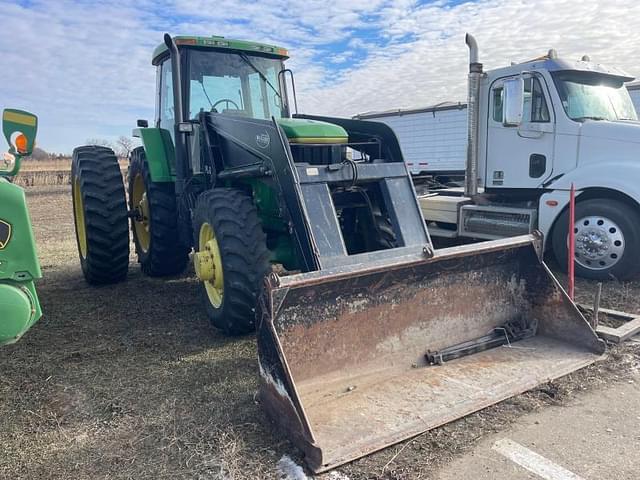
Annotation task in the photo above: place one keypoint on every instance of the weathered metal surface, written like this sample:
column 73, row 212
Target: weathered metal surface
column 341, row 352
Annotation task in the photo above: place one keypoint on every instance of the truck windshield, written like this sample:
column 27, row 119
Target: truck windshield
column 593, row 96
column 235, row 84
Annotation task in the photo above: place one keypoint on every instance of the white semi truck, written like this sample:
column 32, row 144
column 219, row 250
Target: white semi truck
column 534, row 129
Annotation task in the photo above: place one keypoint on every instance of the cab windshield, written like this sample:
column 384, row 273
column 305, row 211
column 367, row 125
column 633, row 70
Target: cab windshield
column 235, row 84
column 593, row 96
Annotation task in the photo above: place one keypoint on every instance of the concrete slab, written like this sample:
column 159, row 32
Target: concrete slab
column 595, row 438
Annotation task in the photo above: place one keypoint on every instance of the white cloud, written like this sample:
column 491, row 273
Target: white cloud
column 432, row 68
column 84, row 66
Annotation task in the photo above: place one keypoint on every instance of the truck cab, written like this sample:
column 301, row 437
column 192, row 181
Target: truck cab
column 540, row 127
column 560, row 106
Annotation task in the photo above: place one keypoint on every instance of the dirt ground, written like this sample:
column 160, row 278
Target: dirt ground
column 130, row 382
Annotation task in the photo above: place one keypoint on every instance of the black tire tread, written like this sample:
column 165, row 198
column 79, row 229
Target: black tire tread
column 105, row 212
column 167, row 255
column 245, row 257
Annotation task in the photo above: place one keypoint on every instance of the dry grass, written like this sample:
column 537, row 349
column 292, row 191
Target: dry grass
column 48, row 173
column 46, row 165
column 130, row 382
column 29, row 165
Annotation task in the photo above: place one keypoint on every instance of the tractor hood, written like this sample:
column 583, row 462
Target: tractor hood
column 300, row 130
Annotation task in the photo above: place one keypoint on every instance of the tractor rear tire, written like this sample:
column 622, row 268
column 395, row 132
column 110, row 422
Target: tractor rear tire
column 100, row 214
column 228, row 219
column 155, row 231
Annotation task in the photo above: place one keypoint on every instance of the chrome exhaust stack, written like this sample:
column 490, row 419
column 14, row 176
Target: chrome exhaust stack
column 475, row 74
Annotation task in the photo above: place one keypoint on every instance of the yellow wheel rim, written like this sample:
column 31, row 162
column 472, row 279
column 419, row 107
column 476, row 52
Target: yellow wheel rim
column 140, row 204
column 78, row 214
column 208, row 265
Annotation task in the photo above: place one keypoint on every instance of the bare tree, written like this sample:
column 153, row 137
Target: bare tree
column 124, row 145
column 101, row 142
column 39, row 154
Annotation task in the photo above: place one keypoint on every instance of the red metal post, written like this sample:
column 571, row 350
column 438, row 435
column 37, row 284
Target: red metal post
column 572, row 241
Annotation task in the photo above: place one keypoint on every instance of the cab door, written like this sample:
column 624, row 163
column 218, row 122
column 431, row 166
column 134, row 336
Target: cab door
column 520, row 156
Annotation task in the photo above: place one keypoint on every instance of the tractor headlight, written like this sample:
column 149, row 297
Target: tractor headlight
column 185, row 127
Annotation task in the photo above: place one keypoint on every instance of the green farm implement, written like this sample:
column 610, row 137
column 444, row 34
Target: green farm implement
column 19, row 267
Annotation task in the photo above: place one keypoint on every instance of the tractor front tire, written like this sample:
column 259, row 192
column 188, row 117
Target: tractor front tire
column 231, row 258
column 100, row 214
column 154, row 221
column 380, row 235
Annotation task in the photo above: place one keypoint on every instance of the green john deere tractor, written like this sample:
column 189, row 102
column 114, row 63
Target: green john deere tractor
column 19, row 266
column 361, row 305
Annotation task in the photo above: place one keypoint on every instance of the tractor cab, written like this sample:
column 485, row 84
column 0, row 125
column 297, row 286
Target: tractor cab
column 225, row 76
column 237, row 78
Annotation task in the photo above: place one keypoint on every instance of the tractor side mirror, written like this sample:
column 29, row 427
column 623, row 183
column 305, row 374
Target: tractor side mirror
column 19, row 129
column 513, row 102
column 142, row 123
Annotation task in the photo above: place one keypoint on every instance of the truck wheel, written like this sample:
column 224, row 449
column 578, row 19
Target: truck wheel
column 100, row 214
column 607, row 240
column 231, row 258
column 154, row 221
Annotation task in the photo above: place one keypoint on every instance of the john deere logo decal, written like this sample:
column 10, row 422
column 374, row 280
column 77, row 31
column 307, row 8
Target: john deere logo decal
column 5, row 233
column 263, row 140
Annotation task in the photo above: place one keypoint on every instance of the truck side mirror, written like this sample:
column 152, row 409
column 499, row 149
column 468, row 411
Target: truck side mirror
column 513, row 102
column 19, row 128
column 142, row 123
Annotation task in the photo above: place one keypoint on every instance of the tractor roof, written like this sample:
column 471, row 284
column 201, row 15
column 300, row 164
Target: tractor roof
column 217, row 42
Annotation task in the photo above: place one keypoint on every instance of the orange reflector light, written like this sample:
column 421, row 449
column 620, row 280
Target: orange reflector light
column 21, row 143
column 552, row 203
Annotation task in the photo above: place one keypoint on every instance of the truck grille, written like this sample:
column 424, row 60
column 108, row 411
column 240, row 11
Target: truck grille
column 491, row 222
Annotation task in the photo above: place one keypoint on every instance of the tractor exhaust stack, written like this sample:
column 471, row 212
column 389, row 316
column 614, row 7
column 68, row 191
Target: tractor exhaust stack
column 343, row 353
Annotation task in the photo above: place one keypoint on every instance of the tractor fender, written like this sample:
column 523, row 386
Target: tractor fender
column 616, row 180
column 160, row 152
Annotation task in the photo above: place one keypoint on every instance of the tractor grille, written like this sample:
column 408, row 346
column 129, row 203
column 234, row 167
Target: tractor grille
column 318, row 154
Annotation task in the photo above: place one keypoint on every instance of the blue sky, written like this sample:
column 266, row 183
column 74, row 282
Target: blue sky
column 84, row 66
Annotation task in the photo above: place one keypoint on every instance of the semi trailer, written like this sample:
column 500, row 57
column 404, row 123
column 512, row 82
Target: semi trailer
column 433, row 139
column 534, row 129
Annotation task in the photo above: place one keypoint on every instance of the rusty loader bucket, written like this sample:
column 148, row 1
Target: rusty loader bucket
column 357, row 358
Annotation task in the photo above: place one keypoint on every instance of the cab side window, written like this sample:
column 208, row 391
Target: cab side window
column 497, row 104
column 167, row 115
column 535, row 105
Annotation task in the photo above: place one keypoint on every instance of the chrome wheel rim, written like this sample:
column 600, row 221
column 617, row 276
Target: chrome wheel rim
column 599, row 242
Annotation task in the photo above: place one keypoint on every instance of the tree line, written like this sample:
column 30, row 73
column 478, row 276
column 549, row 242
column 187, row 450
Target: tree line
column 122, row 148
